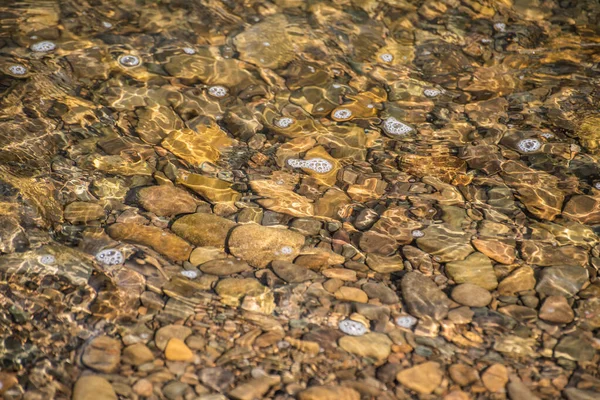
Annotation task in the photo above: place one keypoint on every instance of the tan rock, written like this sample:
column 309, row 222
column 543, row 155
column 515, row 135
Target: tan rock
column 423, row 297
column 423, row 378
column 162, row 241
column 328, row 393
column 476, row 269
column 463, row 374
column 471, row 295
column 166, row 200
column 340, row 273
column 259, row 245
column 495, row 378
column 445, row 243
column 81, row 211
column 556, row 309
column 496, row 249
column 519, row 280
column 346, row 293
column 93, row 387
column 177, row 350
column 371, row 345
column 545, row 254
column 102, row 354
column 202, row 229
column 256, row 297
column 167, row 332
column 457, row 395
column 225, row 267
column 385, row 265
column 137, row 354
column 255, row 388
column 143, row 388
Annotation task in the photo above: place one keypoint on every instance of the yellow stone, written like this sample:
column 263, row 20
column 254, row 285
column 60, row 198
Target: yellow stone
column 176, row 350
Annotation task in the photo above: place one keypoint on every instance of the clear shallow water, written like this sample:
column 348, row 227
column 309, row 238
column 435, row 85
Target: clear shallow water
column 194, row 197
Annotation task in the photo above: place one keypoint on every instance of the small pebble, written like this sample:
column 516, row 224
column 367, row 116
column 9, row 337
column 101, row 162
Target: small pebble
column 17, row 69
column 406, row 321
column 44, row 46
column 110, row 257
column 352, row 328
column 217, row 91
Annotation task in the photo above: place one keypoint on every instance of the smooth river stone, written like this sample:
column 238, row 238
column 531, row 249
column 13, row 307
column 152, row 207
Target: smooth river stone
column 476, row 269
column 496, row 249
column 445, row 244
column 259, row 245
column 423, row 378
column 371, row 345
column 164, row 242
column 225, row 267
column 556, row 309
column 561, row 281
column 293, row 273
column 471, row 295
column 329, row 393
column 93, row 387
column 520, row 280
column 539, row 253
column 256, row 297
column 81, row 211
column 584, row 209
column 102, row 354
column 166, row 200
column 203, row 229
column 423, row 298
column 385, row 265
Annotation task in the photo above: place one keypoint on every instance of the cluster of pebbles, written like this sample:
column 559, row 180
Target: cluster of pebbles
column 300, row 200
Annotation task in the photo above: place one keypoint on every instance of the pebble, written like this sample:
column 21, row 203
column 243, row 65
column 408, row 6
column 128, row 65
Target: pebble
column 202, row 229
column 372, row 345
column 423, row 298
column 495, row 378
column 167, row 332
column 137, row 354
column 462, row 374
column 423, row 378
column 93, row 387
column 346, row 293
column 556, row 309
column 102, row 354
column 561, row 281
column 143, row 387
column 353, row 328
column 166, row 200
column 177, row 350
column 328, row 393
column 292, row 273
column 477, row 269
column 520, row 280
column 471, row 295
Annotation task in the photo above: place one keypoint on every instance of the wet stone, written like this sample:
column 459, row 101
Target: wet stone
column 471, row 295
column 137, row 354
column 495, row 378
column 166, row 200
column 203, row 229
column 556, row 309
column 423, row 298
column 177, row 350
column 164, row 334
column 259, row 245
column 225, row 267
column 372, row 345
column 102, row 354
column 444, row 243
column 93, row 387
column 328, row 393
column 83, row 212
column 423, row 378
column 382, row 292
column 520, row 280
column 292, row 273
column 476, row 269
column 217, row 379
column 561, row 281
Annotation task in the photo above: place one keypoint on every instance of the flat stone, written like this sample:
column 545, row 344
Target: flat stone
column 202, row 229
column 561, row 281
column 446, row 244
column 520, row 280
column 344, row 274
column 476, row 269
column 255, row 388
column 517, row 390
column 143, row 387
column 495, row 378
column 544, row 254
column 259, row 245
column 589, row 312
column 175, row 390
column 381, row 291
column 162, row 241
column 556, row 309
column 200, row 255
column 256, row 297
column 217, row 378
column 584, row 209
column 498, row 250
column 82, row 212
column 293, row 273
column 385, row 265
column 576, row 347
column 463, row 374
column 371, row 345
column 346, row 293
column 423, row 378
column 423, row 298
column 471, row 295
column 328, row 393
column 166, row 333
column 177, row 350
column 93, row 387
column 579, row 394
column 225, row 267
column 137, row 354
column 166, row 200
column 102, row 354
